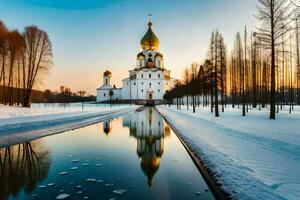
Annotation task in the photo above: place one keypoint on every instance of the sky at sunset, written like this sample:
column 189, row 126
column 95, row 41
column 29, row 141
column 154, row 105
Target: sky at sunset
column 90, row 35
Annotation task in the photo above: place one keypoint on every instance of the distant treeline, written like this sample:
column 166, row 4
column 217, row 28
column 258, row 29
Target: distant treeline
column 36, row 95
column 48, row 96
column 66, row 96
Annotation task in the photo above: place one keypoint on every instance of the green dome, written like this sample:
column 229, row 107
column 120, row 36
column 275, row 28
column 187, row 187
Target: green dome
column 150, row 41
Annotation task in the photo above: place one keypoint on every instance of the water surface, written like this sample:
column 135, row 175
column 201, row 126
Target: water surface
column 136, row 156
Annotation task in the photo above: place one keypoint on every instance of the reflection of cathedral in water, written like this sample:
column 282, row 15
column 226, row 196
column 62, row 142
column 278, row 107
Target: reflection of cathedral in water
column 149, row 128
column 107, row 127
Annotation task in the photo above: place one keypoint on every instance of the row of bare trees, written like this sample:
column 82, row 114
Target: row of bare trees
column 24, row 57
column 263, row 69
column 207, row 81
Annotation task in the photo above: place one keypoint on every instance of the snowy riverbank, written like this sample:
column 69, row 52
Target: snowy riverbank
column 24, row 124
column 252, row 157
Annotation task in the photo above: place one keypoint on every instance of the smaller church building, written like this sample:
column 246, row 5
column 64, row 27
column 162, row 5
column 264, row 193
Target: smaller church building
column 148, row 81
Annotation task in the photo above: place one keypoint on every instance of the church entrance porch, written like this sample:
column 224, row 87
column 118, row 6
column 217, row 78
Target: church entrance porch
column 150, row 101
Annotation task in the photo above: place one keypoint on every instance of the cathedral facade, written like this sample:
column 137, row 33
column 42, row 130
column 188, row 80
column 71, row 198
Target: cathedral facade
column 148, row 81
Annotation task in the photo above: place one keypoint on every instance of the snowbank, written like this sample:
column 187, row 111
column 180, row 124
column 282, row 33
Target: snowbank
column 252, row 157
column 24, row 124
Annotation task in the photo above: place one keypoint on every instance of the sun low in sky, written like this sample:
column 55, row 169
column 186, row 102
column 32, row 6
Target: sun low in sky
column 89, row 36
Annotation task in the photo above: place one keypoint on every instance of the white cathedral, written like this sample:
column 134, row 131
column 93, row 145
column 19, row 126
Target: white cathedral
column 147, row 82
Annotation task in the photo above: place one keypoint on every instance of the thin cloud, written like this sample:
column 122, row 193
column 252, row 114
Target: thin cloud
column 73, row 4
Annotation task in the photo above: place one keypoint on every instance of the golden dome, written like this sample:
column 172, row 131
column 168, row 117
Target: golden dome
column 150, row 166
column 107, row 73
column 150, row 41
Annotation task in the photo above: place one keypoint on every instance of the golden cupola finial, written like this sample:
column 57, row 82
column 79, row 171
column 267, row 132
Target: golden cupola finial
column 150, row 41
column 107, row 73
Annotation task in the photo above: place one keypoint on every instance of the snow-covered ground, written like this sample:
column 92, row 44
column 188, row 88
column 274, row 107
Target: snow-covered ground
column 22, row 124
column 51, row 108
column 253, row 157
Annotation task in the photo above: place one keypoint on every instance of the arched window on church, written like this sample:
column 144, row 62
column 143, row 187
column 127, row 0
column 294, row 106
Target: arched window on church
column 104, row 94
column 158, row 75
column 142, row 75
column 106, row 81
column 149, row 75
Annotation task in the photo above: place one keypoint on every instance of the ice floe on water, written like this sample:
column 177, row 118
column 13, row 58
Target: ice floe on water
column 100, row 181
column 119, row 191
column 63, row 196
column 98, row 164
column 63, row 173
column 42, row 186
column 90, row 180
column 74, row 168
column 74, row 161
column 51, row 184
column 85, row 164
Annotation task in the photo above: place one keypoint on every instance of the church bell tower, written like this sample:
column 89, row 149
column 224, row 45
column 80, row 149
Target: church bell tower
column 106, row 77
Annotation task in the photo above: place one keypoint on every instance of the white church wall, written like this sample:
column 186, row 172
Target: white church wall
column 150, row 79
column 102, row 95
column 126, row 89
column 117, row 94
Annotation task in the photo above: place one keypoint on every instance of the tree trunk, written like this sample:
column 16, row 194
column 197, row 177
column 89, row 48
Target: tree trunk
column 273, row 81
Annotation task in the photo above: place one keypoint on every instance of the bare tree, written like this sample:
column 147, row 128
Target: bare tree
column 3, row 52
column 81, row 94
column 273, row 15
column 298, row 58
column 212, row 58
column 238, row 69
column 15, row 42
column 216, row 74
column 186, row 80
column 38, row 58
column 243, row 72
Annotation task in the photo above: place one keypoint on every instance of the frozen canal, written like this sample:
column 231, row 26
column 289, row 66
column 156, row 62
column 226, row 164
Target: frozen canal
column 136, row 156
